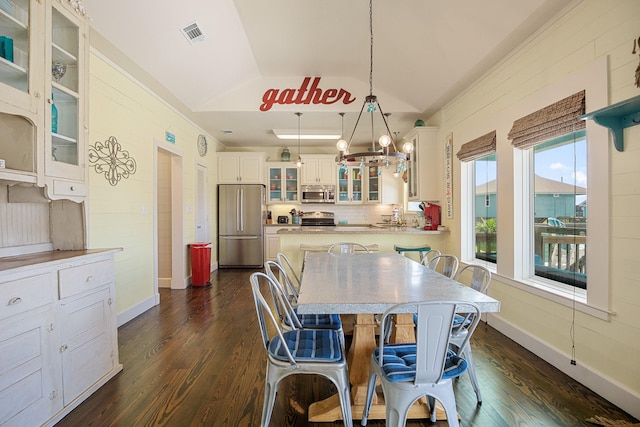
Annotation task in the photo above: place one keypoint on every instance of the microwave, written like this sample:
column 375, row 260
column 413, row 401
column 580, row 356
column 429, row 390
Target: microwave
column 318, row 193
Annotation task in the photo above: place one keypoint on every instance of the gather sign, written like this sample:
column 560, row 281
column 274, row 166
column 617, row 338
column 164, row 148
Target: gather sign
column 309, row 92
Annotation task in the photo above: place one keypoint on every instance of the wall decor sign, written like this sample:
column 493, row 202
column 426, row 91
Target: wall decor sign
column 448, row 181
column 108, row 158
column 305, row 94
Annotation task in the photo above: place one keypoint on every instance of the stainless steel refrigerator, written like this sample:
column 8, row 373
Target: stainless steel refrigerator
column 241, row 215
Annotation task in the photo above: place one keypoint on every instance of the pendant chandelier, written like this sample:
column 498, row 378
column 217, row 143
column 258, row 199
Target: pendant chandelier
column 385, row 153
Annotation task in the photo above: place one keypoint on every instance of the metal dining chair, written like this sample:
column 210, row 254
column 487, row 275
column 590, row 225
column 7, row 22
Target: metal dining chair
column 429, row 255
column 298, row 351
column 444, row 264
column 480, row 280
column 424, row 368
column 289, row 317
column 347, row 248
column 286, row 264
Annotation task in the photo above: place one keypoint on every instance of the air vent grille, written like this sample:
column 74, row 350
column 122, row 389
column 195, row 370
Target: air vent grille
column 192, row 32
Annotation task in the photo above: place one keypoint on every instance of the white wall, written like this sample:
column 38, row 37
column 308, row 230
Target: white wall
column 589, row 31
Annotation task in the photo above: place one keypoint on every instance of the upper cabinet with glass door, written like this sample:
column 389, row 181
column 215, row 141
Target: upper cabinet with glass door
column 65, row 115
column 283, row 179
column 18, row 65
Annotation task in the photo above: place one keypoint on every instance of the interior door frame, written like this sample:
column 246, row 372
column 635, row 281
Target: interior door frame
column 179, row 279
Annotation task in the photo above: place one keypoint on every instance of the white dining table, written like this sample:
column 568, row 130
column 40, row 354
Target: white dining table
column 365, row 284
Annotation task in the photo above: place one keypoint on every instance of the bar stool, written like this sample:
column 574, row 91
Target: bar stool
column 422, row 249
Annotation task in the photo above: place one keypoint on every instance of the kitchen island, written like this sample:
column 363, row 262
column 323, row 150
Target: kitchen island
column 385, row 237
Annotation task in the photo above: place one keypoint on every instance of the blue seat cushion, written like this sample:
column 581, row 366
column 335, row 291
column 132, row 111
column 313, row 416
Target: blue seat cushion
column 399, row 363
column 323, row 321
column 307, row 345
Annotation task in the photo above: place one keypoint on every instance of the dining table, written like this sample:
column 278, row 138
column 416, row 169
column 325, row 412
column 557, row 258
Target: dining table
column 363, row 285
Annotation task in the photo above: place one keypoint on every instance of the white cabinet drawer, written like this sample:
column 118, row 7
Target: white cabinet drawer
column 19, row 296
column 75, row 280
column 69, row 188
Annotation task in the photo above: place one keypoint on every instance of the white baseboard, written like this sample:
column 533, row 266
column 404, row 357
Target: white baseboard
column 138, row 309
column 618, row 394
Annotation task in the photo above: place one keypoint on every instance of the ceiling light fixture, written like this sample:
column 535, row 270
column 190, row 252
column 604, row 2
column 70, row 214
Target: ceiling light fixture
column 387, row 154
column 308, row 134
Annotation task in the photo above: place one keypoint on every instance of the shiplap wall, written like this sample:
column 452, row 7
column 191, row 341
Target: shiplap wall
column 589, row 31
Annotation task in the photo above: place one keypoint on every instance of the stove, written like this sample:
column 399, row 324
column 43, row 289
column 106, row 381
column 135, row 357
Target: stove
column 318, row 219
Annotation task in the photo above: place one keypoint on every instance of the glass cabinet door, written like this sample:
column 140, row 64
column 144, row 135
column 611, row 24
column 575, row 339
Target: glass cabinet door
column 291, row 184
column 373, row 187
column 350, row 185
column 14, row 44
column 65, row 88
column 283, row 184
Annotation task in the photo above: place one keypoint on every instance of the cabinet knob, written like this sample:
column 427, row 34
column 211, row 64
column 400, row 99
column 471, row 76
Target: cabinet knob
column 89, row 279
column 53, row 395
column 63, row 348
column 14, row 301
column 72, row 188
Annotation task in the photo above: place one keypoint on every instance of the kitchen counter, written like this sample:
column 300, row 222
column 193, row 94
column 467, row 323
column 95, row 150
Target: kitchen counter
column 21, row 262
column 356, row 229
column 295, row 240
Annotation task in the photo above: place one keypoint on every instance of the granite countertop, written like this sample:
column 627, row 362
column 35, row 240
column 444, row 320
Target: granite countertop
column 356, row 229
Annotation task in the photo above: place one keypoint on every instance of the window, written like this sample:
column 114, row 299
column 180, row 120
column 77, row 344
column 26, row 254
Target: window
column 486, row 225
column 560, row 209
column 479, row 166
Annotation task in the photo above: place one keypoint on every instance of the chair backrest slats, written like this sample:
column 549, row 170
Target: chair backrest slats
column 445, row 264
column 347, row 248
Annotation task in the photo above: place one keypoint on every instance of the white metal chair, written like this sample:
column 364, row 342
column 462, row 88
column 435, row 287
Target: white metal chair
column 299, row 351
column 429, row 255
column 286, row 310
column 286, row 264
column 480, row 280
column 444, row 264
column 347, row 248
column 410, row 371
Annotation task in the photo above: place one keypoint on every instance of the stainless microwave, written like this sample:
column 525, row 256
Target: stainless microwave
column 318, row 193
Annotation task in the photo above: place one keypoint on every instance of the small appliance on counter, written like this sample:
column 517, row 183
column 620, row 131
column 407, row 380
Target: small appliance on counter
column 431, row 216
column 283, row 219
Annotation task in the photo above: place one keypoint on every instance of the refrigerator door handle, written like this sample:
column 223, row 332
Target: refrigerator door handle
column 239, row 237
column 240, row 209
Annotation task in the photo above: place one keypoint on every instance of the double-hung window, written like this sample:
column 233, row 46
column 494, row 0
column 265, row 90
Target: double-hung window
column 479, row 158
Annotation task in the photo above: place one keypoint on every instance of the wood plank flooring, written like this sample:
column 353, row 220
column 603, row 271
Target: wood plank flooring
column 197, row 360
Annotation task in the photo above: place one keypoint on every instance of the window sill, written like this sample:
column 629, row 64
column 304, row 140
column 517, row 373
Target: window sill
column 564, row 295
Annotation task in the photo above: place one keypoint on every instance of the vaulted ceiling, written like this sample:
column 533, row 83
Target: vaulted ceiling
column 425, row 52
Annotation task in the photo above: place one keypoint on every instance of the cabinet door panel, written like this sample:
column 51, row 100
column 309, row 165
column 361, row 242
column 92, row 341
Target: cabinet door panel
column 86, row 342
column 27, row 378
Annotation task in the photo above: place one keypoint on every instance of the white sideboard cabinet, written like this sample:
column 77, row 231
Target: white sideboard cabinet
column 58, row 333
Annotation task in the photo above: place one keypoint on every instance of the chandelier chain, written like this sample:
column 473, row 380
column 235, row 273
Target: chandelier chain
column 370, row 47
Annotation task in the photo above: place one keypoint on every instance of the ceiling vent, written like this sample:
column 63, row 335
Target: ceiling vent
column 192, row 32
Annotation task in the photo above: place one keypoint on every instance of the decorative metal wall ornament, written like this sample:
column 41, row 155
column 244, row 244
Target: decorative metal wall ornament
column 108, row 158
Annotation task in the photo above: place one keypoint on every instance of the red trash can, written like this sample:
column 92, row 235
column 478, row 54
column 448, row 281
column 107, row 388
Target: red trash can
column 200, row 264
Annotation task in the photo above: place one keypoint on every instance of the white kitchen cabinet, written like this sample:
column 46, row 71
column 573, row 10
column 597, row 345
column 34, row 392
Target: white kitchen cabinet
column 318, row 169
column 376, row 185
column 58, row 335
column 283, row 180
column 422, row 181
column 241, row 168
column 48, row 155
column 30, row 371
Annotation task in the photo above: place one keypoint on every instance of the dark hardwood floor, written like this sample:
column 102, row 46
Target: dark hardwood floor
column 197, row 360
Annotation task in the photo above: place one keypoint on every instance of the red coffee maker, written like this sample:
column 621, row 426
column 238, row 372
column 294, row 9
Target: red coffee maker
column 431, row 216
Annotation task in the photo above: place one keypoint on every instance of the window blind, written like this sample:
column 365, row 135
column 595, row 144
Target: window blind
column 479, row 147
column 557, row 119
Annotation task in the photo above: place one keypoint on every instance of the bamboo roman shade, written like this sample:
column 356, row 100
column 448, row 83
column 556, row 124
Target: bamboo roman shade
column 560, row 118
column 479, row 147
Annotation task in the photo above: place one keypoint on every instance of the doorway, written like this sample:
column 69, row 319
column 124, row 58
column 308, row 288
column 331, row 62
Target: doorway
column 170, row 252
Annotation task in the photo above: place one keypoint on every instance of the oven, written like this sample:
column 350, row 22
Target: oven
column 318, row 193
column 318, row 219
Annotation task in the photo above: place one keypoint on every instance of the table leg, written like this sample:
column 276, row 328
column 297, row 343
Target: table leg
column 358, row 359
